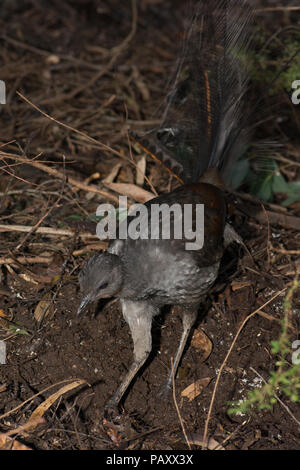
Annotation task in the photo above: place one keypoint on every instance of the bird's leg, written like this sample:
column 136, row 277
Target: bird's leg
column 188, row 320
column 139, row 318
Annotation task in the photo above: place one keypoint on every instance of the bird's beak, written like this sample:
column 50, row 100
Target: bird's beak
column 85, row 301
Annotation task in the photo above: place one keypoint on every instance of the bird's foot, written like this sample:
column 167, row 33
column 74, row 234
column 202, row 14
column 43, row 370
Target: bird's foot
column 111, row 412
column 119, row 426
column 112, row 423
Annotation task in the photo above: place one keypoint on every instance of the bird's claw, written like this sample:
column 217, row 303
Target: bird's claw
column 112, row 423
column 112, row 413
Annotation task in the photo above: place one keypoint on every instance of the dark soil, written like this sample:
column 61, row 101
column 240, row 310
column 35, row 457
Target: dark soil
column 48, row 50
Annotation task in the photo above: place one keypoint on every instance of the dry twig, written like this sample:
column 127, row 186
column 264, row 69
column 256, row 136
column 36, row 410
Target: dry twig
column 227, row 356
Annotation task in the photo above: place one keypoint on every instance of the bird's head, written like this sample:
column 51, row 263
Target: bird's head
column 101, row 277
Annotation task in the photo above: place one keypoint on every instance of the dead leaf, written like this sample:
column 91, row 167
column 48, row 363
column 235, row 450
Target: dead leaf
column 26, row 277
column 7, row 443
column 197, row 439
column 193, row 390
column 131, row 190
column 2, row 314
column 202, row 343
column 140, row 171
column 112, row 174
column 43, row 309
column 43, row 407
column 237, row 285
column 183, row 371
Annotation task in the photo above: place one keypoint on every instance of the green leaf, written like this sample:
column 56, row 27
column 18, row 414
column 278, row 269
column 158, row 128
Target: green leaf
column 96, row 218
column 14, row 328
column 75, row 217
column 264, row 190
column 240, row 171
column 279, row 184
column 293, row 193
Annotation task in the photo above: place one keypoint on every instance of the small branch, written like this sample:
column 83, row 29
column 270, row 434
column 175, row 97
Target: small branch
column 270, row 9
column 226, row 359
column 176, row 405
column 60, row 175
column 289, row 162
column 285, row 252
column 268, row 238
column 35, row 227
column 47, row 259
column 26, row 260
column 91, row 247
column 255, row 200
column 45, row 230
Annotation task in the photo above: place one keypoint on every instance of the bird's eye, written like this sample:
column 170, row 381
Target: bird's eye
column 103, row 286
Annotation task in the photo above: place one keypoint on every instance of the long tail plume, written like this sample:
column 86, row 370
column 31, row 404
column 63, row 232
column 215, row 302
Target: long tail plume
column 201, row 126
